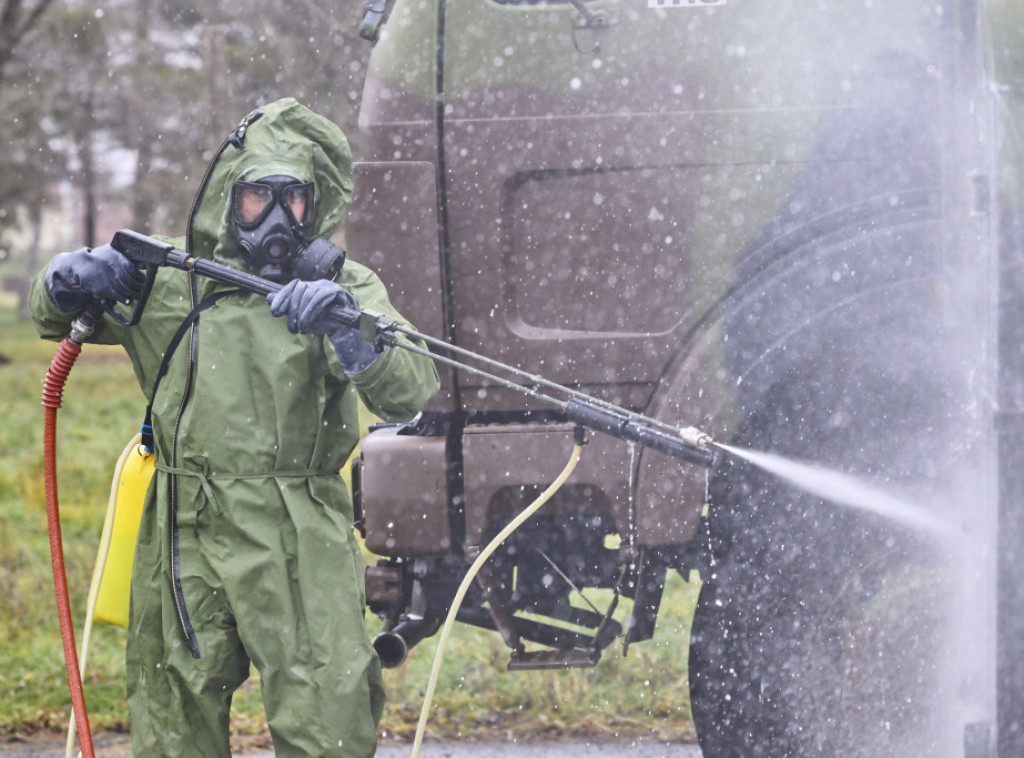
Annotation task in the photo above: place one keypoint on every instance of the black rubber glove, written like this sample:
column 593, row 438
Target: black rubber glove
column 306, row 305
column 73, row 279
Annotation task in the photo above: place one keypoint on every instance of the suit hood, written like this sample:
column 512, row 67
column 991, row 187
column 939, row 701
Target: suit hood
column 283, row 137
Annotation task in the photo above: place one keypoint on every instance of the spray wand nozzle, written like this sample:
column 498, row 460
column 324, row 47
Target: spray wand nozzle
column 691, row 435
column 689, row 444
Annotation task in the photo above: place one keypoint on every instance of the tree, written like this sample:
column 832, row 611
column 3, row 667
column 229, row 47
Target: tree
column 130, row 100
column 16, row 20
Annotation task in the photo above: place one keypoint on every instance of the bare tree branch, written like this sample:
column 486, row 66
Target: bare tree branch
column 17, row 20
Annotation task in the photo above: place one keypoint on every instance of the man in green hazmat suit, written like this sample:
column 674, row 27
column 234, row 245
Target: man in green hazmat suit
column 245, row 552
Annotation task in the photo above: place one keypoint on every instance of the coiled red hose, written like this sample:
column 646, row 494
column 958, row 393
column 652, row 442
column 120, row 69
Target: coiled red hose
column 53, row 391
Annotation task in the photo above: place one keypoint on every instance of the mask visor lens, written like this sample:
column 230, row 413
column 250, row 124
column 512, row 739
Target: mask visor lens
column 298, row 199
column 250, row 203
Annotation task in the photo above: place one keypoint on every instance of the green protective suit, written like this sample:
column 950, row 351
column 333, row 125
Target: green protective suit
column 246, row 550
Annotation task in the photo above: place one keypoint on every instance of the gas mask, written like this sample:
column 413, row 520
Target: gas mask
column 272, row 216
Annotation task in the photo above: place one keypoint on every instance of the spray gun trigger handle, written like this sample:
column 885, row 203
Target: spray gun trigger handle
column 131, row 317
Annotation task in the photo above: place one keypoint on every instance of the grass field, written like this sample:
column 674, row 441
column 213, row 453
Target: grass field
column 642, row 695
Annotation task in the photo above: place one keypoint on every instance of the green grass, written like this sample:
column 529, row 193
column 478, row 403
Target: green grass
column 643, row 695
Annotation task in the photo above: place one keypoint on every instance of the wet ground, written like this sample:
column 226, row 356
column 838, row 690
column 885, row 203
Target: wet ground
column 546, row 750
column 116, row 746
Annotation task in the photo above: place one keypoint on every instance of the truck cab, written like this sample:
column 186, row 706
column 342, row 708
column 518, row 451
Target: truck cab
column 759, row 219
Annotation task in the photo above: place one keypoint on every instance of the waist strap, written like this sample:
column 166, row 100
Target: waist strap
column 206, row 479
column 283, row 474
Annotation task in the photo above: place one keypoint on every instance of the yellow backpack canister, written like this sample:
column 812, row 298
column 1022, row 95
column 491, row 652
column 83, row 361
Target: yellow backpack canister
column 112, row 577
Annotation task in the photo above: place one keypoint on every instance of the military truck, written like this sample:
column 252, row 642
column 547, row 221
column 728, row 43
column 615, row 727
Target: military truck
column 774, row 221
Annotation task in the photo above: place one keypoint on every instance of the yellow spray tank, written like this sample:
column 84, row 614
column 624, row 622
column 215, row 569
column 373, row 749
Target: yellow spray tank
column 111, row 583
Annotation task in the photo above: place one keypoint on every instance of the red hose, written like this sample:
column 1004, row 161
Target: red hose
column 53, row 390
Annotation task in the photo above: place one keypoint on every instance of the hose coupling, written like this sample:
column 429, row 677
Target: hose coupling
column 85, row 324
column 80, row 331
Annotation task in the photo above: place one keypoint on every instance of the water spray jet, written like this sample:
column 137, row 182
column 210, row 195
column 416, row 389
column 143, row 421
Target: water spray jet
column 844, row 489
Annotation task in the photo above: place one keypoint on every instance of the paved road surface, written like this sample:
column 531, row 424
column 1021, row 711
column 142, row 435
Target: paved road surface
column 547, row 750
column 118, row 747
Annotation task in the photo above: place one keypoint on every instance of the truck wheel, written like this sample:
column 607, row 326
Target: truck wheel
column 723, row 696
column 817, row 632
column 748, row 649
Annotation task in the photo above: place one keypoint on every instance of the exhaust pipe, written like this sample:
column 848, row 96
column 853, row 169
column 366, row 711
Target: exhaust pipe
column 393, row 645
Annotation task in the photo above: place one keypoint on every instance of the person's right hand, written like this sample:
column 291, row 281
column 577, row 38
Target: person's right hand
column 73, row 279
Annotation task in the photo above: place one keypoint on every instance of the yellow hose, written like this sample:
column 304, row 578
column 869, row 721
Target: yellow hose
column 468, row 580
column 97, row 575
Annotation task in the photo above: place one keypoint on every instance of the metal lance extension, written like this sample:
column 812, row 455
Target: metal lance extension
column 688, row 444
column 53, row 390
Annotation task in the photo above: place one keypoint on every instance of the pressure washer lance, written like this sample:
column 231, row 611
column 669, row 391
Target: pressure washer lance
column 688, row 444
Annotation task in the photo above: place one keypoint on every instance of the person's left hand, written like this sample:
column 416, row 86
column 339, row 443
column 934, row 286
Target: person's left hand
column 306, row 304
